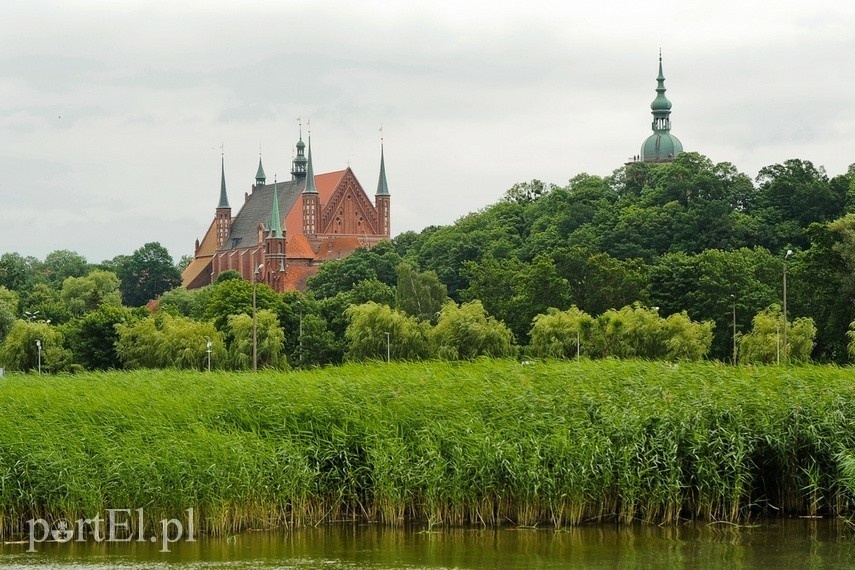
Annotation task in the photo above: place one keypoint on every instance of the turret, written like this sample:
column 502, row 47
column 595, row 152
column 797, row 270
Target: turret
column 298, row 170
column 223, row 218
column 382, row 197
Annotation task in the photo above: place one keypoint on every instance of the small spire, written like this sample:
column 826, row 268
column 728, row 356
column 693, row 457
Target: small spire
column 259, row 174
column 382, row 186
column 310, row 172
column 276, row 224
column 224, row 199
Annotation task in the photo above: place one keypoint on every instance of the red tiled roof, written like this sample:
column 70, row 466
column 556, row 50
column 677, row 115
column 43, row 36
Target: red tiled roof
column 297, row 247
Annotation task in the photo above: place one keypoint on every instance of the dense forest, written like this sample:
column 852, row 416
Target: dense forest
column 656, row 260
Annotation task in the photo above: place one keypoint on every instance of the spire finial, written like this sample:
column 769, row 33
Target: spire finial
column 300, row 125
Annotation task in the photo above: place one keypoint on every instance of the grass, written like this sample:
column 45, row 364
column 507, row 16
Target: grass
column 492, row 442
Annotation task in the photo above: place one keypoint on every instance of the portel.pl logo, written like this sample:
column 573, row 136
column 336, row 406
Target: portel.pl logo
column 117, row 527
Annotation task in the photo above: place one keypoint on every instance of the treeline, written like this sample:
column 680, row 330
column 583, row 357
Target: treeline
column 674, row 261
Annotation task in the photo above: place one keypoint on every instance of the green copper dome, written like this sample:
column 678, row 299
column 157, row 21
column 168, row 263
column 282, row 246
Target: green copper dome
column 661, row 146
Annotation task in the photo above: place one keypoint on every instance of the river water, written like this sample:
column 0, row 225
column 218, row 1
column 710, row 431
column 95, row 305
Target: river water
column 777, row 543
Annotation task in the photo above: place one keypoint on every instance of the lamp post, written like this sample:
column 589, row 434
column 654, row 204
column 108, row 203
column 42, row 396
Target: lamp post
column 788, row 254
column 255, row 319
column 39, row 349
column 300, row 304
column 778, row 342
column 208, row 346
column 733, row 300
column 388, row 348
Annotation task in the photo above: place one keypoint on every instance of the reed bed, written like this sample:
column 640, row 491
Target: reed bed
column 492, row 442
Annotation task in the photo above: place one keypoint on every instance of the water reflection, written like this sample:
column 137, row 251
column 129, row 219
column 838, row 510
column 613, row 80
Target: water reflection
column 774, row 543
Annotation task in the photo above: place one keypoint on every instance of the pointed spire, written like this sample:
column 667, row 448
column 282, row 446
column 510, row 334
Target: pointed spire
column 661, row 106
column 259, row 174
column 224, row 199
column 310, row 172
column 382, row 186
column 275, row 223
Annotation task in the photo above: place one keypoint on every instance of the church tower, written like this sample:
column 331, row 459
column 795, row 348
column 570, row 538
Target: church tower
column 661, row 146
column 382, row 197
column 223, row 216
column 274, row 243
column 311, row 200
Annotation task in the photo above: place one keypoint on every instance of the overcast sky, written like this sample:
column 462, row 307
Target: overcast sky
column 112, row 113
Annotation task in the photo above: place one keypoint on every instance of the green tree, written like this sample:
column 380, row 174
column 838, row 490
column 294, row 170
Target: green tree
column 341, row 276
column 166, row 341
column 61, row 264
column 467, row 332
column 419, row 294
column 765, row 343
column 83, row 294
column 9, row 303
column 146, row 274
column 270, row 341
column 17, row 272
column 598, row 282
column 367, row 331
column 20, row 350
column 43, row 303
column 560, row 334
column 708, row 284
column 92, row 338
column 234, row 297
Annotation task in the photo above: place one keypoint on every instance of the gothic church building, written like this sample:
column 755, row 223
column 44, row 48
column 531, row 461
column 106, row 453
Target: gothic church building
column 284, row 231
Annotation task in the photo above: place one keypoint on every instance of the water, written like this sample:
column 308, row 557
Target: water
column 795, row 543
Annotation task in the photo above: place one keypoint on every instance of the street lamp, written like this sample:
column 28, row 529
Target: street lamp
column 388, row 349
column 733, row 300
column 39, row 348
column 300, row 304
column 255, row 320
column 208, row 346
column 788, row 254
column 30, row 316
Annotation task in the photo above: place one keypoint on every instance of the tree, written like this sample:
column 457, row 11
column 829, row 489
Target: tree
column 467, row 331
column 708, row 284
column 8, row 310
column 270, row 341
column 419, row 294
column 367, row 331
column 598, row 282
column 234, row 297
column 147, row 273
column 44, row 302
column 166, row 341
column 20, row 351
column 61, row 264
column 16, row 272
column 84, row 294
column 765, row 343
column 92, row 338
column 559, row 334
column 340, row 276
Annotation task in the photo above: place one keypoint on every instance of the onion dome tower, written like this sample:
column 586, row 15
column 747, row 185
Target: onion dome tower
column 661, row 146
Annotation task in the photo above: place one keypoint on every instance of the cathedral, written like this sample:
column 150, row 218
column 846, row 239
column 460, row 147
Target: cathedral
column 284, row 231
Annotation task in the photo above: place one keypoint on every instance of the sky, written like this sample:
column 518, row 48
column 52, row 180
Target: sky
column 113, row 114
